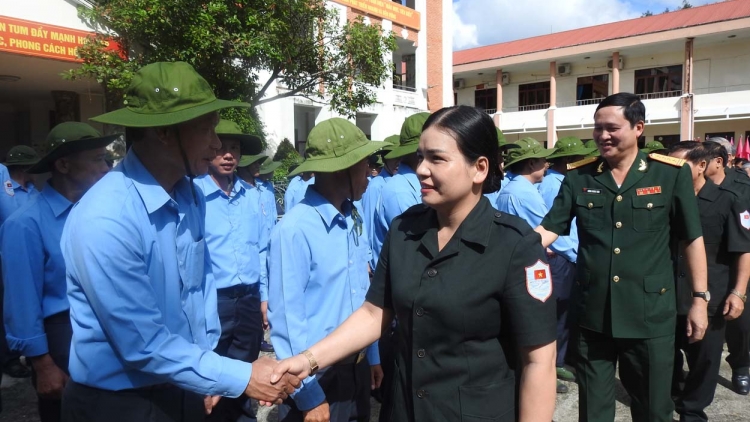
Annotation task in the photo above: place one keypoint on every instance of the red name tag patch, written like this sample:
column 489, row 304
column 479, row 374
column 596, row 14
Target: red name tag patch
column 648, row 191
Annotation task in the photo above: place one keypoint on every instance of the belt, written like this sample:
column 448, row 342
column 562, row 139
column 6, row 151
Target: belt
column 352, row 360
column 238, row 291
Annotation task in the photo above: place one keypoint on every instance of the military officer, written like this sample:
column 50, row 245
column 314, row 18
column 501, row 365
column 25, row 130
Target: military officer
column 36, row 305
column 627, row 204
column 738, row 330
column 725, row 218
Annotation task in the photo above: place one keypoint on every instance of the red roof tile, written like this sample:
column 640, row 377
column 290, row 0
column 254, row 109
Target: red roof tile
column 701, row 15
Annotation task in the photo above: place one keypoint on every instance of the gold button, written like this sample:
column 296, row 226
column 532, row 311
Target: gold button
column 618, row 225
column 649, row 205
column 663, row 291
column 619, row 198
column 590, row 205
column 617, row 251
column 615, row 279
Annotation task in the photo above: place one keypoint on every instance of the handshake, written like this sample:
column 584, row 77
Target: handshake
column 271, row 381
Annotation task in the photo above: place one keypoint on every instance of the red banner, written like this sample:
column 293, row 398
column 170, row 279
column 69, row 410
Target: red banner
column 41, row 40
column 386, row 9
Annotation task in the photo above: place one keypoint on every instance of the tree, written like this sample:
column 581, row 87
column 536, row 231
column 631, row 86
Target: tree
column 647, row 13
column 686, row 4
column 298, row 43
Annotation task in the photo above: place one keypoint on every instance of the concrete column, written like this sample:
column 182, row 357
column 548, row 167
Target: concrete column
column 551, row 128
column 615, row 72
column 687, row 123
column 499, row 84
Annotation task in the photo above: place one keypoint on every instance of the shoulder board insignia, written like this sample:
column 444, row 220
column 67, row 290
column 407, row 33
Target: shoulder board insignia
column 581, row 163
column 672, row 161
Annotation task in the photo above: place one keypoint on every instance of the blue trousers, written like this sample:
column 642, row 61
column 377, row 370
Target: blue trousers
column 563, row 277
column 241, row 335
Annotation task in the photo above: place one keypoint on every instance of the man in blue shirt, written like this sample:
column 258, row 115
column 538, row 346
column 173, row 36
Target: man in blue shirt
column 372, row 194
column 296, row 189
column 318, row 274
column 35, row 303
column 270, row 215
column 401, row 191
column 562, row 263
column 18, row 186
column 144, row 312
column 237, row 243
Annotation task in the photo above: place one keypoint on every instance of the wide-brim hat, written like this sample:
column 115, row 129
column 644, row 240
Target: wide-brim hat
column 595, row 152
column 68, row 138
column 408, row 141
column 333, row 145
column 249, row 144
column 21, row 155
column 269, row 166
column 570, row 146
column 527, row 148
column 165, row 94
column 390, row 143
column 654, row 146
column 246, row 160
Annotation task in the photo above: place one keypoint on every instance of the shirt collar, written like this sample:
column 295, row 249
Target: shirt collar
column 474, row 228
column 403, row 169
column 209, row 187
column 709, row 191
column 553, row 172
column 324, row 208
column 57, row 203
column 153, row 195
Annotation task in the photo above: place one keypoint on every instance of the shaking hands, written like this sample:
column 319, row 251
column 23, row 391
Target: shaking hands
column 266, row 386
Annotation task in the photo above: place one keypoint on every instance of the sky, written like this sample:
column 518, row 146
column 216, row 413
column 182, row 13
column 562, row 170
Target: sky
column 483, row 22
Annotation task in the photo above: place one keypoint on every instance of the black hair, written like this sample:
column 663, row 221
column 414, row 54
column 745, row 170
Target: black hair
column 475, row 135
column 632, row 107
column 695, row 152
column 716, row 150
column 738, row 162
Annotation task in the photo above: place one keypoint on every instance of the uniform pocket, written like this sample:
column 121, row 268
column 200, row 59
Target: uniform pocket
column 659, row 299
column 650, row 213
column 493, row 402
column 590, row 211
column 194, row 265
column 712, row 234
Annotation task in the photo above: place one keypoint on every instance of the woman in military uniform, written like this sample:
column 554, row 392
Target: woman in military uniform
column 460, row 277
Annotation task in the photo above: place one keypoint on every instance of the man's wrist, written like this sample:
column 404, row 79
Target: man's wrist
column 741, row 295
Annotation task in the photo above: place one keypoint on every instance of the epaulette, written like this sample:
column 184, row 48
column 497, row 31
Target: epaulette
column 672, row 161
column 581, row 163
column 516, row 223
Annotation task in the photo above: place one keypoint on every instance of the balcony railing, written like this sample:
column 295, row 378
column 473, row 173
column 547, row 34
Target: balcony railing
column 490, row 111
column 405, row 88
column 722, row 89
column 657, row 95
column 574, row 103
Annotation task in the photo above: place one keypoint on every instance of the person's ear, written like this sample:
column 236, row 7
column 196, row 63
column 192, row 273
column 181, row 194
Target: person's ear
column 482, row 167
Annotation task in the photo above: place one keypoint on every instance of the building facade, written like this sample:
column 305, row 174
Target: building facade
column 690, row 67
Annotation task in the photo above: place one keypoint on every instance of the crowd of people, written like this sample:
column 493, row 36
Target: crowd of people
column 450, row 273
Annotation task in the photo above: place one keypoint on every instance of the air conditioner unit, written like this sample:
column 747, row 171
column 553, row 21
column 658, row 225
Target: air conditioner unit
column 459, row 84
column 506, row 78
column 563, row 69
column 619, row 64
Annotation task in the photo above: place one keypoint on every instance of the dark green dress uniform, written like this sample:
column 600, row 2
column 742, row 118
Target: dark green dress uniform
column 722, row 213
column 453, row 307
column 738, row 330
column 625, row 299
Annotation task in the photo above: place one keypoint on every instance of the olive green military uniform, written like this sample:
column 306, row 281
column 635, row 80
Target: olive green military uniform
column 453, row 306
column 625, row 298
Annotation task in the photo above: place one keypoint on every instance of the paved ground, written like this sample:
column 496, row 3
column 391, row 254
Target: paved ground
column 19, row 403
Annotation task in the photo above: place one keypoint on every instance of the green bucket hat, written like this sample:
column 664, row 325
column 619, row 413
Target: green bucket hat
column 21, row 155
column 164, row 94
column 595, row 152
column 68, row 138
column 375, row 160
column 249, row 144
column 570, row 146
column 269, row 166
column 409, row 138
column 333, row 145
column 653, row 146
column 246, row 160
column 527, row 148
column 389, row 144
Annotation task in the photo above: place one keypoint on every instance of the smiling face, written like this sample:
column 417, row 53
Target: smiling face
column 614, row 135
column 446, row 177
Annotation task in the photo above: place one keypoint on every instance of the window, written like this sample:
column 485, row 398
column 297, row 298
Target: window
column 485, row 99
column 725, row 135
column 659, row 82
column 533, row 96
column 592, row 89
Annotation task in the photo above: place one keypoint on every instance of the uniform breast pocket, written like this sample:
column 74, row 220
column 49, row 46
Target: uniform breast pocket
column 712, row 233
column 494, row 402
column 193, row 266
column 590, row 211
column 650, row 213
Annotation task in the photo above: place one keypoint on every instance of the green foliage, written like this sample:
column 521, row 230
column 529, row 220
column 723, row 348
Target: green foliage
column 685, row 5
column 286, row 150
column 647, row 13
column 297, row 43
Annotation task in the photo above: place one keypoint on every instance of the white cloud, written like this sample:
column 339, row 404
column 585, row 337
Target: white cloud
column 464, row 35
column 483, row 22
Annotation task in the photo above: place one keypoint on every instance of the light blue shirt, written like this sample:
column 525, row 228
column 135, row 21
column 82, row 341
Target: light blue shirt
column 236, row 237
column 318, row 277
column 492, row 196
column 521, row 198
column 295, row 191
column 34, row 270
column 13, row 195
column 369, row 207
column 566, row 246
column 141, row 309
column 268, row 210
column 401, row 192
